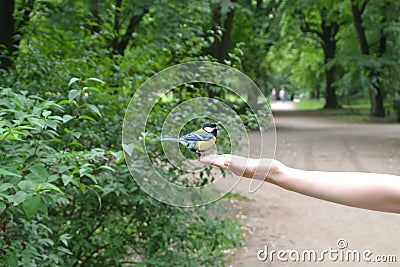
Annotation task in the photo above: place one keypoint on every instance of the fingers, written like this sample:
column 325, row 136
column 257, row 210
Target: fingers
column 222, row 161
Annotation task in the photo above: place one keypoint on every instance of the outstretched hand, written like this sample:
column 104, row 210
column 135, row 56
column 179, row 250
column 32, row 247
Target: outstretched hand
column 222, row 161
column 260, row 169
column 372, row 191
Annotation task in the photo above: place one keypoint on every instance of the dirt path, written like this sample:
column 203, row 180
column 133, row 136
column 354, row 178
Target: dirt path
column 284, row 220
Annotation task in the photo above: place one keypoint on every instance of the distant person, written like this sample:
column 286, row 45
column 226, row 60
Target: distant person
column 273, row 95
column 372, row 191
column 282, row 95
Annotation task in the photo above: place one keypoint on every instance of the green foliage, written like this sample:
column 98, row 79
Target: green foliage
column 66, row 195
column 40, row 166
column 65, row 201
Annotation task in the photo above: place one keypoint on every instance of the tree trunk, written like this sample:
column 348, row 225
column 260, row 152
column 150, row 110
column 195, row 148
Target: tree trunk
column 326, row 34
column 377, row 107
column 330, row 93
column 7, row 26
column 376, row 96
column 220, row 48
column 329, row 32
column 360, row 31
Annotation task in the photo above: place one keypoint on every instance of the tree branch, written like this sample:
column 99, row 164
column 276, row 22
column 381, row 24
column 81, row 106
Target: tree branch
column 120, row 44
column 363, row 7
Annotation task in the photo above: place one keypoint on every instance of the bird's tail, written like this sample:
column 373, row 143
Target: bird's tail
column 179, row 140
column 170, row 139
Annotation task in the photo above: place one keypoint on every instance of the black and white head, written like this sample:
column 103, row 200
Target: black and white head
column 210, row 127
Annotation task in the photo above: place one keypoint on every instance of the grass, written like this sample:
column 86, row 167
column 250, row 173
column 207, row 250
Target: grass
column 356, row 112
column 310, row 104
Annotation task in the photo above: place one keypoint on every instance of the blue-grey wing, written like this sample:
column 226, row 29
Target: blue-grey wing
column 196, row 136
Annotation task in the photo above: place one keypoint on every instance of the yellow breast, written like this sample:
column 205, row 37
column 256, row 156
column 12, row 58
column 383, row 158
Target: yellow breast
column 206, row 145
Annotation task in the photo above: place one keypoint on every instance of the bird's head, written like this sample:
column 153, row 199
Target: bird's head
column 210, row 127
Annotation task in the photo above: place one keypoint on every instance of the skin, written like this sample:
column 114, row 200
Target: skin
column 373, row 191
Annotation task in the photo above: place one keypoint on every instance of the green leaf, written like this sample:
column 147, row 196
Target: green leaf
column 139, row 148
column 12, row 261
column 128, row 148
column 66, row 118
column 83, row 188
column 119, row 156
column 73, row 94
column 8, row 173
column 52, row 124
column 53, row 188
column 86, row 117
column 66, row 179
column 38, row 122
column 26, row 256
column 2, row 207
column 72, row 81
column 63, row 102
column 94, row 109
column 91, row 177
column 76, row 144
column 40, row 172
column 6, row 186
column 18, row 198
column 65, row 250
column 12, row 137
column 32, row 205
column 52, row 178
column 76, row 134
column 64, row 238
column 106, row 168
column 91, row 88
column 46, row 113
column 43, row 207
column 25, row 185
column 95, row 79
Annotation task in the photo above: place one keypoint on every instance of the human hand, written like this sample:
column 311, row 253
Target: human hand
column 240, row 166
column 261, row 169
column 222, row 161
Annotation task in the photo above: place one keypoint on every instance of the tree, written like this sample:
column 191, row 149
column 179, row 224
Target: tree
column 12, row 28
column 322, row 21
column 376, row 92
column 6, row 32
column 257, row 30
column 223, row 13
column 124, row 34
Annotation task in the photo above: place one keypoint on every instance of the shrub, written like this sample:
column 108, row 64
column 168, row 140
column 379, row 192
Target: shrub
column 67, row 198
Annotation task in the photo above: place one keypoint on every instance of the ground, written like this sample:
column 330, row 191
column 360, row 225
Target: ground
column 285, row 220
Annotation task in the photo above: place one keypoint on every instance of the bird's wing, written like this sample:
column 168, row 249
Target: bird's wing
column 198, row 136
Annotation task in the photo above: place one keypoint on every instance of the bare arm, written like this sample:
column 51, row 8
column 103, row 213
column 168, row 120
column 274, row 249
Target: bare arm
column 372, row 191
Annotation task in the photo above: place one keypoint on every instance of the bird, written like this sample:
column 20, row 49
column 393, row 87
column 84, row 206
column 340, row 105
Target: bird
column 200, row 141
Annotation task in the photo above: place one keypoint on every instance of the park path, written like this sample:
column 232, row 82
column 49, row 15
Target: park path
column 285, row 220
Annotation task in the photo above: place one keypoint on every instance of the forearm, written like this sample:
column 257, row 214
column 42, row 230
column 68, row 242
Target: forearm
column 363, row 190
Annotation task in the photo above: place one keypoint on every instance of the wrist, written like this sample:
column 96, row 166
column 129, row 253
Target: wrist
column 276, row 173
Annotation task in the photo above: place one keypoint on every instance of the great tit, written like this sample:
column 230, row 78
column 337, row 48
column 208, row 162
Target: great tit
column 200, row 141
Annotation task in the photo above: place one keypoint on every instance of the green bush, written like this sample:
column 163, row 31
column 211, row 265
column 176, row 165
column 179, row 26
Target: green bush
column 67, row 198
